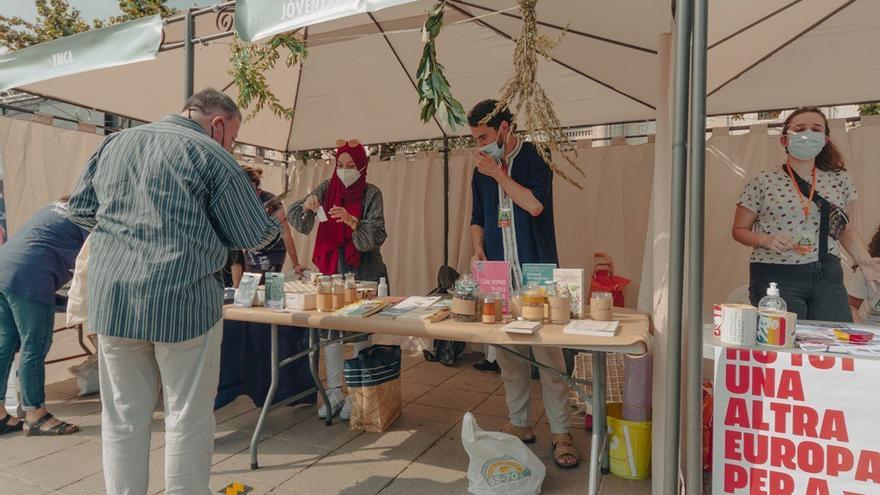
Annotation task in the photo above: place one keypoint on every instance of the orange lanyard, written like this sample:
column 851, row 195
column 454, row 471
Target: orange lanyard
column 808, row 203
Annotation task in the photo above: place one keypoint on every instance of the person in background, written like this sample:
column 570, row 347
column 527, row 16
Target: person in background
column 234, row 269
column 348, row 242
column 270, row 258
column 512, row 220
column 864, row 299
column 165, row 203
column 37, row 261
column 795, row 217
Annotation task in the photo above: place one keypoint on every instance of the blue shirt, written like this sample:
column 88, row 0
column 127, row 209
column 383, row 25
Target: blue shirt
column 535, row 236
column 38, row 259
column 165, row 204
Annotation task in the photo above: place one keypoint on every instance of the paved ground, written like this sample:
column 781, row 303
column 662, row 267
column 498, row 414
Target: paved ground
column 421, row 453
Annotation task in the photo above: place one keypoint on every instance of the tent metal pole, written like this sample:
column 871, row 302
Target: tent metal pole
column 694, row 359
column 676, row 244
column 188, row 56
column 445, row 200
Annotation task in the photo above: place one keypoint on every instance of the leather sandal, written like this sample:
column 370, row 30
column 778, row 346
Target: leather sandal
column 563, row 445
column 5, row 427
column 34, row 429
column 524, row 433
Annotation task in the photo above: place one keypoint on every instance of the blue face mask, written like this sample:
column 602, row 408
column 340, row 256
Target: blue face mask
column 806, row 145
column 494, row 150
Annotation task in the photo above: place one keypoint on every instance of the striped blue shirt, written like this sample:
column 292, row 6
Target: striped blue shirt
column 165, row 203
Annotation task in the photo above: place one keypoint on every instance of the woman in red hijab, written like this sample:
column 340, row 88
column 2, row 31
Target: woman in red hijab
column 349, row 241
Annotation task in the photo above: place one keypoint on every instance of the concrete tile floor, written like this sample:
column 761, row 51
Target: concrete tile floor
column 420, row 453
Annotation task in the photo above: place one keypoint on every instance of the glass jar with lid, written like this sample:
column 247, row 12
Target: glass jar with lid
column 466, row 303
column 533, row 299
column 325, row 294
column 338, row 291
column 351, row 294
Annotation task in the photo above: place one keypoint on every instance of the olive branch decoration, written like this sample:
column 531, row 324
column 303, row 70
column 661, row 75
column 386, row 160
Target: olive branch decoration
column 435, row 96
column 250, row 61
column 542, row 123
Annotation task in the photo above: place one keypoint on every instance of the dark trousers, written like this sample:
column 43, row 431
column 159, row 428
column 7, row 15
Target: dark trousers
column 814, row 291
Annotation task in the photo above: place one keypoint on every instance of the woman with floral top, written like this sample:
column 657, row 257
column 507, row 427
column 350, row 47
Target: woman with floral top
column 795, row 217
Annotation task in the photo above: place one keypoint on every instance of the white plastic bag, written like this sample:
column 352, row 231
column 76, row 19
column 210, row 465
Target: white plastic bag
column 87, row 377
column 500, row 464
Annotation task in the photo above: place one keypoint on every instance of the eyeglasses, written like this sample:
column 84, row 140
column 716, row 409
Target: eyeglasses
column 351, row 143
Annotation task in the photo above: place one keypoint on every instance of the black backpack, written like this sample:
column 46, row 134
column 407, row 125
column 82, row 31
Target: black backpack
column 445, row 351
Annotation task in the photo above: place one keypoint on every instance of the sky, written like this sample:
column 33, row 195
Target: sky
column 90, row 9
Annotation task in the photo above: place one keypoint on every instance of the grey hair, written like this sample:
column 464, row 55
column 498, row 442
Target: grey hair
column 211, row 102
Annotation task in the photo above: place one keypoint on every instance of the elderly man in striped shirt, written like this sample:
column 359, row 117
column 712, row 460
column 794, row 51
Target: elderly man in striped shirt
column 165, row 202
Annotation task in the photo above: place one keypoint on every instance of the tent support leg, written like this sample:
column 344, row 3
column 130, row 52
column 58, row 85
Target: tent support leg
column 445, row 200
column 188, row 56
column 694, row 412
column 676, row 245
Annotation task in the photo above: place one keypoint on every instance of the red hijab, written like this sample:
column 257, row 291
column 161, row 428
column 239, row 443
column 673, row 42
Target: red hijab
column 333, row 235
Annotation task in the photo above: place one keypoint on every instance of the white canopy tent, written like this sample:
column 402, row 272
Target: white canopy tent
column 613, row 65
column 358, row 82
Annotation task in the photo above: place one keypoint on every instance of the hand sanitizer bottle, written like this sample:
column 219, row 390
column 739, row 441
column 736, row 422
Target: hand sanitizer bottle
column 772, row 300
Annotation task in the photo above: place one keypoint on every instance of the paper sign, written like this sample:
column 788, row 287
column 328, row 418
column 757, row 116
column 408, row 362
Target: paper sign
column 322, row 215
column 493, row 276
column 795, row 424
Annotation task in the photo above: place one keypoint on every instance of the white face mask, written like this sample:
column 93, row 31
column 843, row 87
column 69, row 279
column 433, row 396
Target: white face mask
column 348, row 176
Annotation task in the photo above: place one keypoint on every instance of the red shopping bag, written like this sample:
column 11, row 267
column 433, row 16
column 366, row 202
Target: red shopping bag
column 604, row 279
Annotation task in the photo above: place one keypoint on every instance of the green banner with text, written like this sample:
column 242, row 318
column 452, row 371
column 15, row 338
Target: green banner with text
column 120, row 44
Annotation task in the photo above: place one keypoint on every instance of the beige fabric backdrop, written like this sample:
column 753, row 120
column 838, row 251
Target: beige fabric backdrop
column 609, row 215
column 40, row 163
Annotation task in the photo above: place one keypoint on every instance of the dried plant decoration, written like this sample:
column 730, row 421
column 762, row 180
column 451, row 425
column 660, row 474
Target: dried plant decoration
column 524, row 93
column 251, row 61
column 435, row 96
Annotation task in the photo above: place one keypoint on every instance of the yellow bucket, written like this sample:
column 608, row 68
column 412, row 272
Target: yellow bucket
column 629, row 445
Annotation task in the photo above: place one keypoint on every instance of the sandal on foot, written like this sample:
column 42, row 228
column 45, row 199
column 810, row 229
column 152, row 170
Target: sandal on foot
column 34, row 429
column 5, row 427
column 524, row 433
column 563, row 445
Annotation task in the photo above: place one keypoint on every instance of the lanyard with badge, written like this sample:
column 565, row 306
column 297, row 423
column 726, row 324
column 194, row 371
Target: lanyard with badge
column 806, row 236
column 505, row 205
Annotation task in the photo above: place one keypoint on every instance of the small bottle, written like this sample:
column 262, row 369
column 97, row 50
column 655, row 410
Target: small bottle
column 325, row 294
column 383, row 287
column 351, row 293
column 772, row 323
column 489, row 311
column 772, row 300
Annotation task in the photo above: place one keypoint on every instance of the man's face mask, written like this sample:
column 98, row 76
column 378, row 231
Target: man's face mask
column 496, row 149
column 219, row 126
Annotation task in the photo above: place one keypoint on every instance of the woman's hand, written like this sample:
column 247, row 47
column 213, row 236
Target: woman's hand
column 299, row 269
column 341, row 215
column 778, row 243
column 311, row 203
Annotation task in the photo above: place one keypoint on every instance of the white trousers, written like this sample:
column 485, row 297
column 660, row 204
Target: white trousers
column 516, row 374
column 132, row 371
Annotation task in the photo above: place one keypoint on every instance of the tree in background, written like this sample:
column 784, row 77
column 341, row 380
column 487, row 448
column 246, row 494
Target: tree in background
column 869, row 109
column 135, row 9
column 56, row 19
